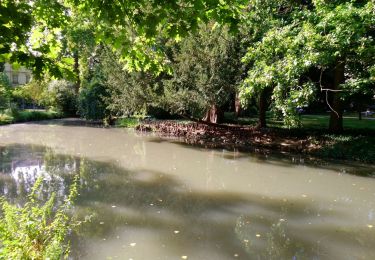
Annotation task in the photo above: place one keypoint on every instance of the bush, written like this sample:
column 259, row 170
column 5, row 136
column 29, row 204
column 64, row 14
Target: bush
column 36, row 230
column 27, row 115
column 5, row 119
column 21, row 97
column 91, row 103
column 63, row 96
column 13, row 115
column 30, row 95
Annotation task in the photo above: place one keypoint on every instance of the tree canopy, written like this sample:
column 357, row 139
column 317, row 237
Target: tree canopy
column 335, row 37
column 32, row 31
column 295, row 50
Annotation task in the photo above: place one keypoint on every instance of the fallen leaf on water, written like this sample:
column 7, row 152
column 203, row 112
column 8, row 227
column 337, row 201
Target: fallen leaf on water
column 184, row 257
column 133, row 244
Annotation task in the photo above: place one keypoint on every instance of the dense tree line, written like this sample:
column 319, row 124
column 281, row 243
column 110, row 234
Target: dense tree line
column 198, row 58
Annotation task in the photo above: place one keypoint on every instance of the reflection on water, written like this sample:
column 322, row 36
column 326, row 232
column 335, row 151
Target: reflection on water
column 146, row 213
column 21, row 166
column 214, row 225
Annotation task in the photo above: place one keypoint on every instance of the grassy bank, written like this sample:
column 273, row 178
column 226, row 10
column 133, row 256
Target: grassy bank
column 313, row 122
column 27, row 115
column 347, row 147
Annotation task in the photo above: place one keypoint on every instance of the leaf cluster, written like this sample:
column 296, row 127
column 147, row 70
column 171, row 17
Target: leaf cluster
column 36, row 230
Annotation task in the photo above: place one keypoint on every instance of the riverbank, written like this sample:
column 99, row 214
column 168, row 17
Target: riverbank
column 353, row 145
column 27, row 115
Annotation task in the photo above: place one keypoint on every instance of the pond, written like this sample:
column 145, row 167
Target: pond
column 153, row 198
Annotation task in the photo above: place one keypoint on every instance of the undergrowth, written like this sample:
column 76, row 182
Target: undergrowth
column 37, row 230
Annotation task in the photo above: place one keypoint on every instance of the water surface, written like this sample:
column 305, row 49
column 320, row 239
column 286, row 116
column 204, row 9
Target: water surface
column 150, row 198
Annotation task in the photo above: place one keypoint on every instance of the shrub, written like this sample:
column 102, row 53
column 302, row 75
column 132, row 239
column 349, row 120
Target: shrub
column 90, row 102
column 29, row 95
column 36, row 230
column 27, row 115
column 5, row 119
column 63, row 96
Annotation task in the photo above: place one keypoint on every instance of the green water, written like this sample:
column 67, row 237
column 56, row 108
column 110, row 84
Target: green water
column 150, row 198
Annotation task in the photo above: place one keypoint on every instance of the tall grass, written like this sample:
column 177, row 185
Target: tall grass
column 15, row 116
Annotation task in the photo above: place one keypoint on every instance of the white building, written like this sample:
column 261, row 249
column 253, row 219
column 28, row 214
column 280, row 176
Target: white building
column 17, row 77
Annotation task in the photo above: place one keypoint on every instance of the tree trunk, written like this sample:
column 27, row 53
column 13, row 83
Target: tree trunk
column 214, row 115
column 262, row 123
column 237, row 106
column 336, row 121
column 359, row 115
column 76, row 71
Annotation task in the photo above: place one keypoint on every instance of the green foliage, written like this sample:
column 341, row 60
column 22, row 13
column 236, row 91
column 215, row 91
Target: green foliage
column 198, row 44
column 13, row 115
column 4, row 91
column 206, row 70
column 29, row 28
column 36, row 230
column 31, row 94
column 63, row 96
column 129, row 122
column 134, row 29
column 348, row 147
column 90, row 102
column 35, row 115
column 5, row 119
column 292, row 38
column 128, row 93
column 53, row 94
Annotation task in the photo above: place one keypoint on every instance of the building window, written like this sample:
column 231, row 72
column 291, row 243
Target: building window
column 15, row 78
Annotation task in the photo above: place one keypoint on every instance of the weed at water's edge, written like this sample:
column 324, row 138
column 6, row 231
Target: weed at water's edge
column 128, row 122
column 36, row 230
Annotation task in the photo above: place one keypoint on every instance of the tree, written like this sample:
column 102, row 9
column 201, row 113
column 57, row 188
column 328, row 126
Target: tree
column 90, row 102
column 206, row 69
column 79, row 44
column 30, row 34
column 127, row 92
column 336, row 37
column 32, row 31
